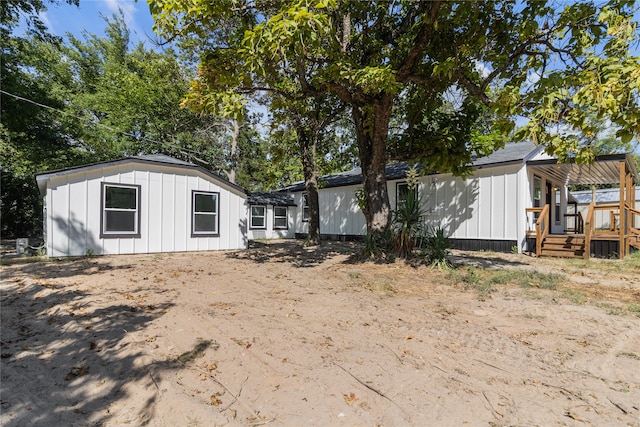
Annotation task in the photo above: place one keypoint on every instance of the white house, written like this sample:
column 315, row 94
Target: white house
column 496, row 208
column 515, row 199
column 141, row 204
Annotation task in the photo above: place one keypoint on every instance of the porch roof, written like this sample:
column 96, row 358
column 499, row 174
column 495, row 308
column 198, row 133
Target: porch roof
column 604, row 170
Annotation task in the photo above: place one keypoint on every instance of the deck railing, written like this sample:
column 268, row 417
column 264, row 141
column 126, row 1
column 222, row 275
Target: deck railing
column 578, row 222
column 634, row 226
column 541, row 227
column 602, row 226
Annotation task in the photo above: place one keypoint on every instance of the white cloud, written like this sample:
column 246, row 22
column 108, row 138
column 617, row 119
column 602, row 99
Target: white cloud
column 45, row 19
column 128, row 10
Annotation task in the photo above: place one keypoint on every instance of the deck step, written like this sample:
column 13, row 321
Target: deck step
column 563, row 246
column 562, row 254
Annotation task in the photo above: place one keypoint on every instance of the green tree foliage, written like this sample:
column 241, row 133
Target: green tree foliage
column 133, row 96
column 95, row 99
column 31, row 136
column 550, row 62
column 11, row 11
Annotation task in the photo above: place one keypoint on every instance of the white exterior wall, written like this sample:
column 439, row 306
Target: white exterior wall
column 484, row 206
column 489, row 205
column 269, row 232
column 73, row 203
column 339, row 212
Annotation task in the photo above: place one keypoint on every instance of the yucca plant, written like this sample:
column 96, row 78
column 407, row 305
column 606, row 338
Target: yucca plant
column 407, row 224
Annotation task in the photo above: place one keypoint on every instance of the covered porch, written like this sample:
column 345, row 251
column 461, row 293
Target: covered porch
column 555, row 225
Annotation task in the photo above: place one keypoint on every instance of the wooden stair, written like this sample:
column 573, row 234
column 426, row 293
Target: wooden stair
column 565, row 246
column 634, row 240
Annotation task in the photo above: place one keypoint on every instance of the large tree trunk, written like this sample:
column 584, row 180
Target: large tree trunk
column 372, row 128
column 307, row 141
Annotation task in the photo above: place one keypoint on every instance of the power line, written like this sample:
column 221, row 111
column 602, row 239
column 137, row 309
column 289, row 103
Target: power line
column 85, row 119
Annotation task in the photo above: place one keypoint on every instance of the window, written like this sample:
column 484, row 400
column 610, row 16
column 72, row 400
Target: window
column 402, row 193
column 280, row 220
column 537, row 191
column 120, row 206
column 305, row 207
column 205, row 218
column 258, row 216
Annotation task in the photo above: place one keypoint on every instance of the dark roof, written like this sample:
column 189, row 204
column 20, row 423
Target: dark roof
column 43, row 177
column 161, row 158
column 510, row 154
column 275, row 199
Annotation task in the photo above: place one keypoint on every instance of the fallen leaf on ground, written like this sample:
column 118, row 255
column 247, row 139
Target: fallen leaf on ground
column 349, row 398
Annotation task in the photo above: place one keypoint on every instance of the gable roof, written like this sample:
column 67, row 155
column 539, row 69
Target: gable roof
column 274, row 199
column 151, row 159
column 513, row 153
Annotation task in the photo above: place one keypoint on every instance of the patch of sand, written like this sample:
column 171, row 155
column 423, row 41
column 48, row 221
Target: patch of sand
column 286, row 336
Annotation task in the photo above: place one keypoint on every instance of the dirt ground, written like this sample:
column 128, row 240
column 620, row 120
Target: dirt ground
column 283, row 335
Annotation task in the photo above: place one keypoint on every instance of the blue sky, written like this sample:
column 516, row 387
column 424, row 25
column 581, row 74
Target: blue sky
column 63, row 18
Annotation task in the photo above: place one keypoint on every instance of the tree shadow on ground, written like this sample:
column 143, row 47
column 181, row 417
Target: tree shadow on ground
column 294, row 252
column 60, row 268
column 65, row 354
column 485, row 262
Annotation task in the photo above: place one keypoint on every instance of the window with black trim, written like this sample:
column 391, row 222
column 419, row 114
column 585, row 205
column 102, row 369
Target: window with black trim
column 305, row 207
column 258, row 216
column 280, row 220
column 120, row 207
column 205, row 217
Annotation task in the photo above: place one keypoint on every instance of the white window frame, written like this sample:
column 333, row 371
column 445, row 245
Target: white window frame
column 104, row 233
column 537, row 191
column 263, row 216
column 285, row 217
column 216, row 214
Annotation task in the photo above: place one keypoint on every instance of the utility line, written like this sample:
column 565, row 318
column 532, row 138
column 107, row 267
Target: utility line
column 85, row 119
column 190, row 153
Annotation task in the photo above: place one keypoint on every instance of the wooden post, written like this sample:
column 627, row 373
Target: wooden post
column 623, row 176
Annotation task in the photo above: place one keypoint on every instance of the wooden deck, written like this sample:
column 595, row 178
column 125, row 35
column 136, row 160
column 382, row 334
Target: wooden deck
column 605, row 244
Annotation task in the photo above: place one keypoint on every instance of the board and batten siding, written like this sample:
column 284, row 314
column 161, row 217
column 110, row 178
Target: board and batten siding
column 489, row 205
column 73, row 204
column 484, row 206
column 269, row 232
column 339, row 212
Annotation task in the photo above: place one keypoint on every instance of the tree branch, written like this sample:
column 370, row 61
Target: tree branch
column 423, row 38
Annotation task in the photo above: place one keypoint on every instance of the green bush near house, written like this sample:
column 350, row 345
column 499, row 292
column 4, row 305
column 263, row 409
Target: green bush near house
column 435, row 248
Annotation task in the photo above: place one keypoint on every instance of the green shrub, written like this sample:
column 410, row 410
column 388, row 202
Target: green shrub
column 436, row 248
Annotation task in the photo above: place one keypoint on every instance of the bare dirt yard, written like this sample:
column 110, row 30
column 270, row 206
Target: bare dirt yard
column 283, row 335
